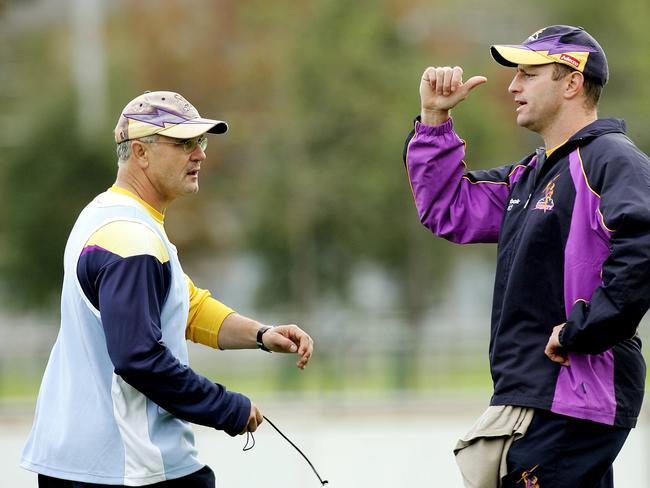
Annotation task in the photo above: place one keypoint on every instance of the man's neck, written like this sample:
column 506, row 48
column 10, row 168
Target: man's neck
column 565, row 127
column 144, row 190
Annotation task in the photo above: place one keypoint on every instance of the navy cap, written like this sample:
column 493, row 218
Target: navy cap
column 563, row 44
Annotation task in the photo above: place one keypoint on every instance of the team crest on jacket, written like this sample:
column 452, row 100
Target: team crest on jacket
column 529, row 480
column 546, row 203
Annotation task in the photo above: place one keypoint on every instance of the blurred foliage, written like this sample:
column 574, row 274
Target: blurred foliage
column 48, row 173
column 332, row 191
column 40, row 189
column 320, row 95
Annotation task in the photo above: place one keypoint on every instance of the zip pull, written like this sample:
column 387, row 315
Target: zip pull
column 526, row 204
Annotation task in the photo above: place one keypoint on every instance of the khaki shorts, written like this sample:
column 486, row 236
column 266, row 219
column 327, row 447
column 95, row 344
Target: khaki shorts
column 481, row 453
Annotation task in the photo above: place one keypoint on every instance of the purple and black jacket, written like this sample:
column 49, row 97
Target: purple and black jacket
column 573, row 233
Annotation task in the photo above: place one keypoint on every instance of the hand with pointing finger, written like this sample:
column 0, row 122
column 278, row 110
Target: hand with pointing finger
column 441, row 89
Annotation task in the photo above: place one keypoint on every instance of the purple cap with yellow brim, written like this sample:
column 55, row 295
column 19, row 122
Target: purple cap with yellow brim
column 165, row 113
column 563, row 44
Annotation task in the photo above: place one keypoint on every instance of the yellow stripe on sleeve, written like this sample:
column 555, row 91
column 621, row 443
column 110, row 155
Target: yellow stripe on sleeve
column 205, row 317
column 128, row 238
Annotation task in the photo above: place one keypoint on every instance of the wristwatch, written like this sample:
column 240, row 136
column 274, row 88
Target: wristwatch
column 260, row 333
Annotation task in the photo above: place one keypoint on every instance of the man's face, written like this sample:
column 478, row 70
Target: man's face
column 538, row 97
column 172, row 170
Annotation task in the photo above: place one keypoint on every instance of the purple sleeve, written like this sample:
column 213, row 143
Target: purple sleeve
column 451, row 203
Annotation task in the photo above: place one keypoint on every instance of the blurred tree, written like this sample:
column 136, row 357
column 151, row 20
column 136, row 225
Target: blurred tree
column 47, row 173
column 41, row 193
column 333, row 191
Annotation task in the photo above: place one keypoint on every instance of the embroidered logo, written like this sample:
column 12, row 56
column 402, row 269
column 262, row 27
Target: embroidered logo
column 535, row 35
column 530, row 481
column 546, row 203
column 570, row 59
column 513, row 202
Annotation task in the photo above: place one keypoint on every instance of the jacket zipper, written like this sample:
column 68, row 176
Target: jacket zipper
column 526, row 204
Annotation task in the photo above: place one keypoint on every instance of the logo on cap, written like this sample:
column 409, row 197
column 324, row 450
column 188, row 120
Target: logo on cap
column 570, row 59
column 159, row 117
column 535, row 35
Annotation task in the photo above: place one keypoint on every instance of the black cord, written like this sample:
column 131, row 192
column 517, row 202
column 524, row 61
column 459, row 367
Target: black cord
column 248, row 448
column 249, row 435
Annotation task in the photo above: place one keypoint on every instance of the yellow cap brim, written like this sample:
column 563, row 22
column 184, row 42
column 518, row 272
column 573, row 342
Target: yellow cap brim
column 194, row 128
column 512, row 56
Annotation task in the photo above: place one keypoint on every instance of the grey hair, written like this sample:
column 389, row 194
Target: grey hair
column 124, row 148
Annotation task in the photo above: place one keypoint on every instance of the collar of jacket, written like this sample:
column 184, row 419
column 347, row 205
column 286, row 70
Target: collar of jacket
column 595, row 129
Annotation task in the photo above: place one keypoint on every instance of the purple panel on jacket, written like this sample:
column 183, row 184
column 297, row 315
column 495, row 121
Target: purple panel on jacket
column 516, row 173
column 449, row 204
column 585, row 389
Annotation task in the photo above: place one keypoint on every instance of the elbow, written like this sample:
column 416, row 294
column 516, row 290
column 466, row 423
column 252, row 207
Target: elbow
column 138, row 354
column 127, row 369
column 131, row 364
column 448, row 230
column 429, row 219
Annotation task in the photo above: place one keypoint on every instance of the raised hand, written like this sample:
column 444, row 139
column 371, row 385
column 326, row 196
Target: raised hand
column 441, row 89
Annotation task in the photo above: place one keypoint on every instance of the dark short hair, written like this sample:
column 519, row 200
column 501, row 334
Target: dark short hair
column 592, row 89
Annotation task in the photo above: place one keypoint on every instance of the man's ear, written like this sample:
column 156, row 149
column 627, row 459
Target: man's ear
column 575, row 82
column 140, row 154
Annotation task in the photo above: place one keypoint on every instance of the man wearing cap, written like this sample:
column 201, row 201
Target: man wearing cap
column 118, row 396
column 572, row 223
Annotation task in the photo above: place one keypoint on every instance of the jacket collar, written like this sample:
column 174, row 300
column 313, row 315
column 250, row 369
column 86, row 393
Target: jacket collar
column 598, row 128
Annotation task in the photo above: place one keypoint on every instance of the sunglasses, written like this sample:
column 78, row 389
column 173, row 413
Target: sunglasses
column 189, row 145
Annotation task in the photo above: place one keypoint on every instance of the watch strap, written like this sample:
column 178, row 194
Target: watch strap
column 260, row 333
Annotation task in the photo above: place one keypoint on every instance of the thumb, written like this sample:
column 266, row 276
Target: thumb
column 473, row 82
